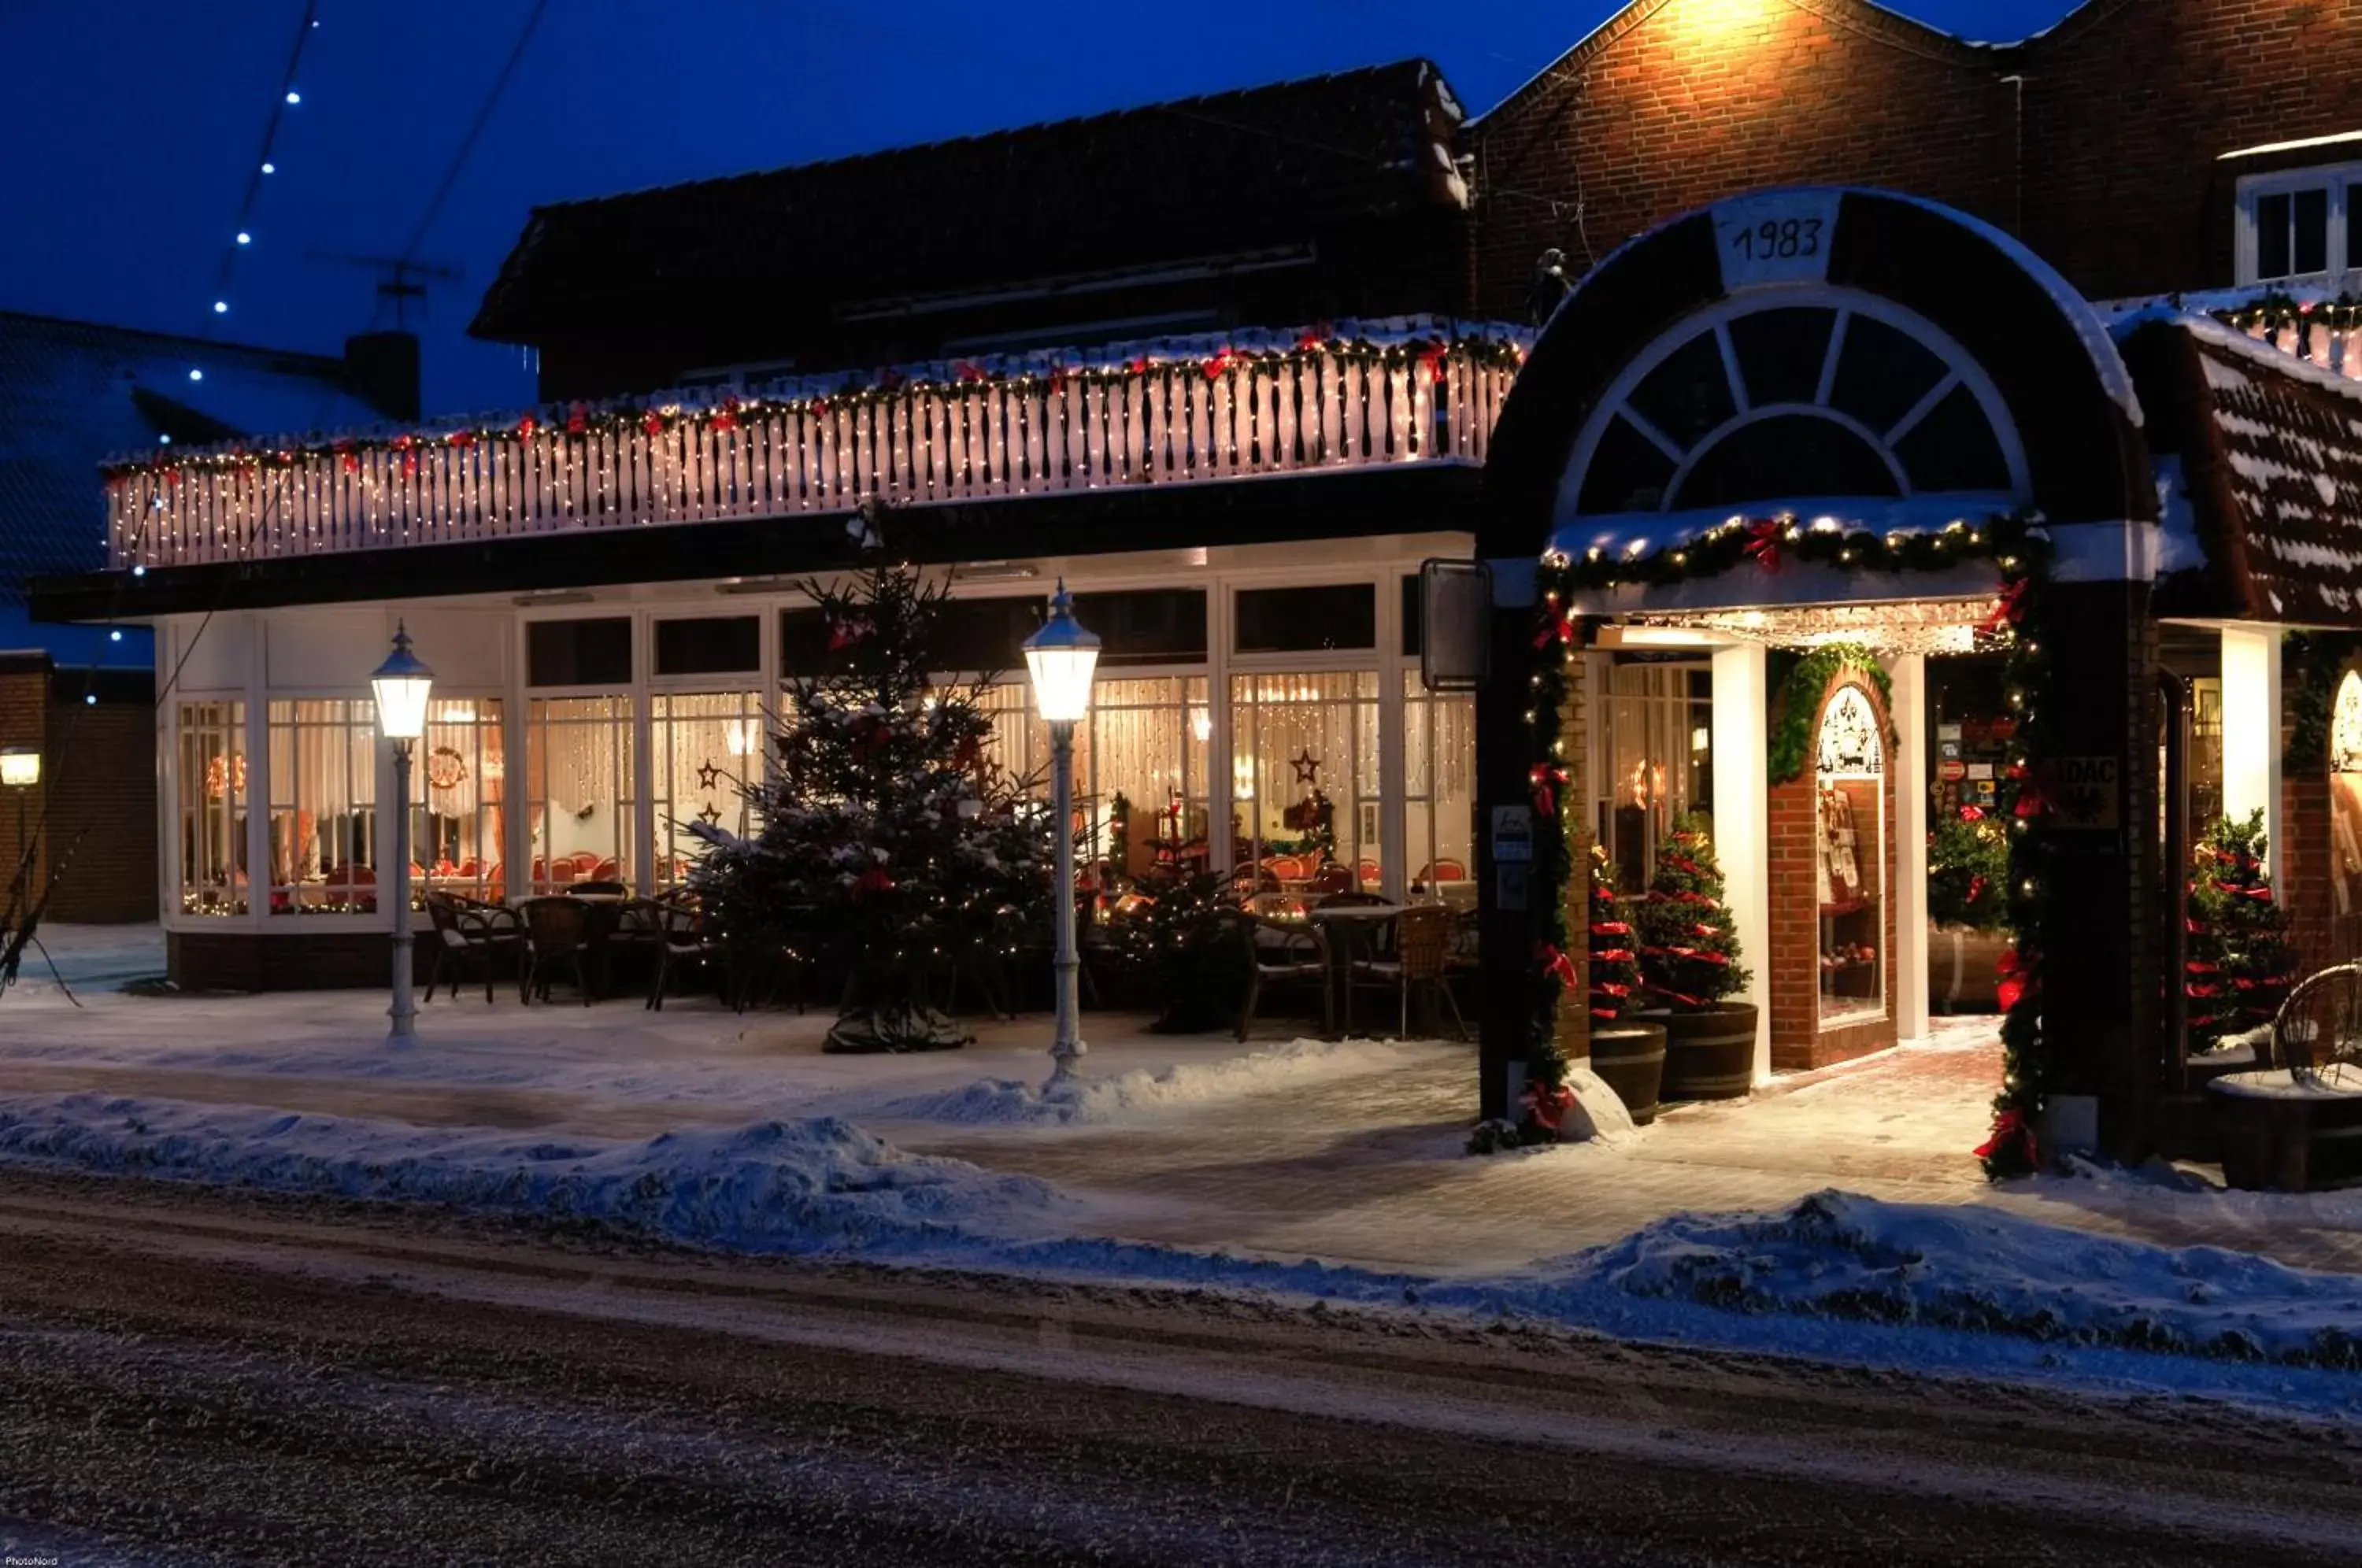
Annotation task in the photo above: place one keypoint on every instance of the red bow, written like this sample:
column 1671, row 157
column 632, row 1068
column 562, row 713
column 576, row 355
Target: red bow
column 1219, row 363
column 578, row 419
column 727, row 418
column 2010, row 1127
column 1558, row 625
column 2031, row 802
column 1430, row 360
column 2009, row 608
column 461, row 437
column 1763, row 543
column 652, row 423
column 1544, row 777
column 876, row 879
column 1973, row 813
column 1547, row 1107
column 1057, row 378
column 346, row 458
column 843, row 635
column 1610, row 928
column 1555, row 963
column 1672, row 995
column 407, row 446
column 526, row 426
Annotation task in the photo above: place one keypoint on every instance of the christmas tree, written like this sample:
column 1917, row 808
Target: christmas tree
column 1689, row 947
column 2241, row 962
column 1968, row 871
column 886, row 843
column 1615, row 955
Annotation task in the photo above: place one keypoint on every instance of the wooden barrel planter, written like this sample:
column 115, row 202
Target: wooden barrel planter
column 1964, row 969
column 1710, row 1055
column 1630, row 1057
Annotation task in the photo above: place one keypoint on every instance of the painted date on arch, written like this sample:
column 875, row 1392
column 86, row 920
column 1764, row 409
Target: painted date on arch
column 1779, row 239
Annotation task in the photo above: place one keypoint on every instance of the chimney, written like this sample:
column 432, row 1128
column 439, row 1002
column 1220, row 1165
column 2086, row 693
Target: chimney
column 383, row 368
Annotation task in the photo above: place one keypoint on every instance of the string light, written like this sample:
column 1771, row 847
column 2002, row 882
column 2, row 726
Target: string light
column 221, row 307
column 294, row 96
column 196, row 374
column 269, row 168
column 244, row 237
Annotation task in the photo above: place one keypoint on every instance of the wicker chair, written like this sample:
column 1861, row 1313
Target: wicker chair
column 2318, row 1029
column 469, row 932
column 681, row 938
column 1280, row 953
column 557, row 936
column 1422, row 947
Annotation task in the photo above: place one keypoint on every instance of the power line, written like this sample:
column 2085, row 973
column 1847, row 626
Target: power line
column 468, row 142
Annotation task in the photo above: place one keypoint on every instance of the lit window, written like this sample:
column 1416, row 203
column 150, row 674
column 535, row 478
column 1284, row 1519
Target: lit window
column 324, row 807
column 709, row 748
column 2299, row 224
column 212, row 786
column 580, row 790
column 459, row 800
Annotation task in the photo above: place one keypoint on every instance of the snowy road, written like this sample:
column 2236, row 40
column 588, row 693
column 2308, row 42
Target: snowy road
column 197, row 1378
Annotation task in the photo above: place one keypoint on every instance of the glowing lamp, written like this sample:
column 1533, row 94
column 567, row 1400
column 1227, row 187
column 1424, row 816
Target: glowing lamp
column 20, row 767
column 1060, row 657
column 401, row 682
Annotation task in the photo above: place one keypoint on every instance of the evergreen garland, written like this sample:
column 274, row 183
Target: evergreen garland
column 2014, row 1148
column 1791, row 751
column 2241, row 962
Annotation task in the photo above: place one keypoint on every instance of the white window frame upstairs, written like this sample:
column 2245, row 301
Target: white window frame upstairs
column 2344, row 182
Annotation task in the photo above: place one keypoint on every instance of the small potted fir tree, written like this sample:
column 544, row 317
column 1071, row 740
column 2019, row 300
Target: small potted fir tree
column 1689, row 965
column 1627, row 1052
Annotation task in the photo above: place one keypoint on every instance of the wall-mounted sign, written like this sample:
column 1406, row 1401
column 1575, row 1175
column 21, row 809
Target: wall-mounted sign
column 1952, row 772
column 1780, row 237
column 2082, row 793
column 1513, row 833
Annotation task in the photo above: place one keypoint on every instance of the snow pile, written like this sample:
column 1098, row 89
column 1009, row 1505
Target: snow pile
column 821, row 1185
column 1838, row 1255
column 1008, row 1102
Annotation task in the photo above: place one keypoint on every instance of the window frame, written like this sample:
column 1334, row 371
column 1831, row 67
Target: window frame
column 2344, row 182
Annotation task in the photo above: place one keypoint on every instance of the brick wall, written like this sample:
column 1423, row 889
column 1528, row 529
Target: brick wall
column 98, row 772
column 1793, row 974
column 2099, row 143
column 1674, row 103
column 23, row 720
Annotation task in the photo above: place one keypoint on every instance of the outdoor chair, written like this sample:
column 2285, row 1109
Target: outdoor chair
column 1280, row 953
column 1423, row 935
column 680, row 938
column 558, row 937
column 2319, row 1026
column 608, row 887
column 1333, row 879
column 468, row 931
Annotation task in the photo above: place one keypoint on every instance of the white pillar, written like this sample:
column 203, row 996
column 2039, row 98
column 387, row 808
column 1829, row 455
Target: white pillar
column 2251, row 731
column 1907, row 774
column 1742, row 825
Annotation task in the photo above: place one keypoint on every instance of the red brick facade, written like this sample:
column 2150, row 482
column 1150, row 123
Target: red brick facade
column 2099, row 143
column 97, row 790
column 1792, row 975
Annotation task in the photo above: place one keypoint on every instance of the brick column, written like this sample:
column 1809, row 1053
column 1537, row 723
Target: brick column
column 24, row 722
column 1573, row 1031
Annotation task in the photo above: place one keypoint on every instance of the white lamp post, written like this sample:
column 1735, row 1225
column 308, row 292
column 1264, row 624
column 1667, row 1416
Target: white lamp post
column 1061, row 658
column 401, row 682
column 20, row 769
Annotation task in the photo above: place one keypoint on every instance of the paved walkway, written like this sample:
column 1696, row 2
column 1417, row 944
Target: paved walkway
column 1371, row 1171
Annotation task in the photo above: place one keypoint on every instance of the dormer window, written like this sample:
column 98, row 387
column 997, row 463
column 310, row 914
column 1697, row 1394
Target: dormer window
column 2301, row 225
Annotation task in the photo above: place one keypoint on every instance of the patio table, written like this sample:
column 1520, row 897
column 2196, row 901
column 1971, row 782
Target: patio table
column 1346, row 925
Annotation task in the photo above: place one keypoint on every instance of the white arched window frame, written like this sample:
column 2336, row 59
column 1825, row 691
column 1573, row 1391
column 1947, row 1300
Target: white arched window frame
column 2346, row 726
column 1960, row 371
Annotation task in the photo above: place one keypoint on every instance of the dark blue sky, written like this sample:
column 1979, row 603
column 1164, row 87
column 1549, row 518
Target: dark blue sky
column 131, row 125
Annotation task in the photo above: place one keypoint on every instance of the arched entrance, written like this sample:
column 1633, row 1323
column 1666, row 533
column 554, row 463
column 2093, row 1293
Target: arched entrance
column 1778, row 424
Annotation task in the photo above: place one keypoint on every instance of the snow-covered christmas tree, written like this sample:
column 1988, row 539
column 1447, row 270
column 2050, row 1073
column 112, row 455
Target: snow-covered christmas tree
column 2241, row 962
column 1689, row 945
column 888, row 846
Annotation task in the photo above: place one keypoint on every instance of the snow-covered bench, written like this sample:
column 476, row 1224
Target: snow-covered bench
column 2297, row 1124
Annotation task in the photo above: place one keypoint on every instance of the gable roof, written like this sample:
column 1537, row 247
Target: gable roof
column 1228, row 171
column 73, row 393
column 2271, row 454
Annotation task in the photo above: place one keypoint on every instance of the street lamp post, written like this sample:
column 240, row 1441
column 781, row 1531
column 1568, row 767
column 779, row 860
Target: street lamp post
column 402, row 683
column 20, row 771
column 1060, row 657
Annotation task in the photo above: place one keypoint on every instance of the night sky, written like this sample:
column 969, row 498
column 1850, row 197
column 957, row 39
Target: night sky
column 132, row 127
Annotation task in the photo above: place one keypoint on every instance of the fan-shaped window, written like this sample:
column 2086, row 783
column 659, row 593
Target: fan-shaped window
column 1844, row 395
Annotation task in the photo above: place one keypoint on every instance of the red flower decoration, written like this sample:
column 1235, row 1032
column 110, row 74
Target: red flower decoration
column 526, row 426
column 578, row 419
column 1763, row 542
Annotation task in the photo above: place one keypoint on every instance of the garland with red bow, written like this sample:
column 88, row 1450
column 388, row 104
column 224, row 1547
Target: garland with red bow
column 2014, row 1148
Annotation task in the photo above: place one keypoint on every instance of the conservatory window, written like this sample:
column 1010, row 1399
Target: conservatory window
column 212, row 788
column 709, row 747
column 1439, row 794
column 1851, row 863
column 323, row 806
column 2301, row 223
column 1147, row 774
column 1304, row 785
column 460, row 797
column 582, row 800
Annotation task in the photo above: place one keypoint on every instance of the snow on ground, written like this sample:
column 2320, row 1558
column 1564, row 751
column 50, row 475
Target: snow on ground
column 1142, row 1091
column 769, row 1186
column 1940, row 1287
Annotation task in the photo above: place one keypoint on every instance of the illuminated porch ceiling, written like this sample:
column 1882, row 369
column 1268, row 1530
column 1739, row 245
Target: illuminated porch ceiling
column 1961, row 626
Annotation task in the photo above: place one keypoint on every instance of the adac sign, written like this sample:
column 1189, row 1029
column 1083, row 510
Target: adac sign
column 2082, row 793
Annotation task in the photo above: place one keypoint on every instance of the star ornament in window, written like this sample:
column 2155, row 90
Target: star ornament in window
column 1306, row 766
column 708, row 775
column 708, row 816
